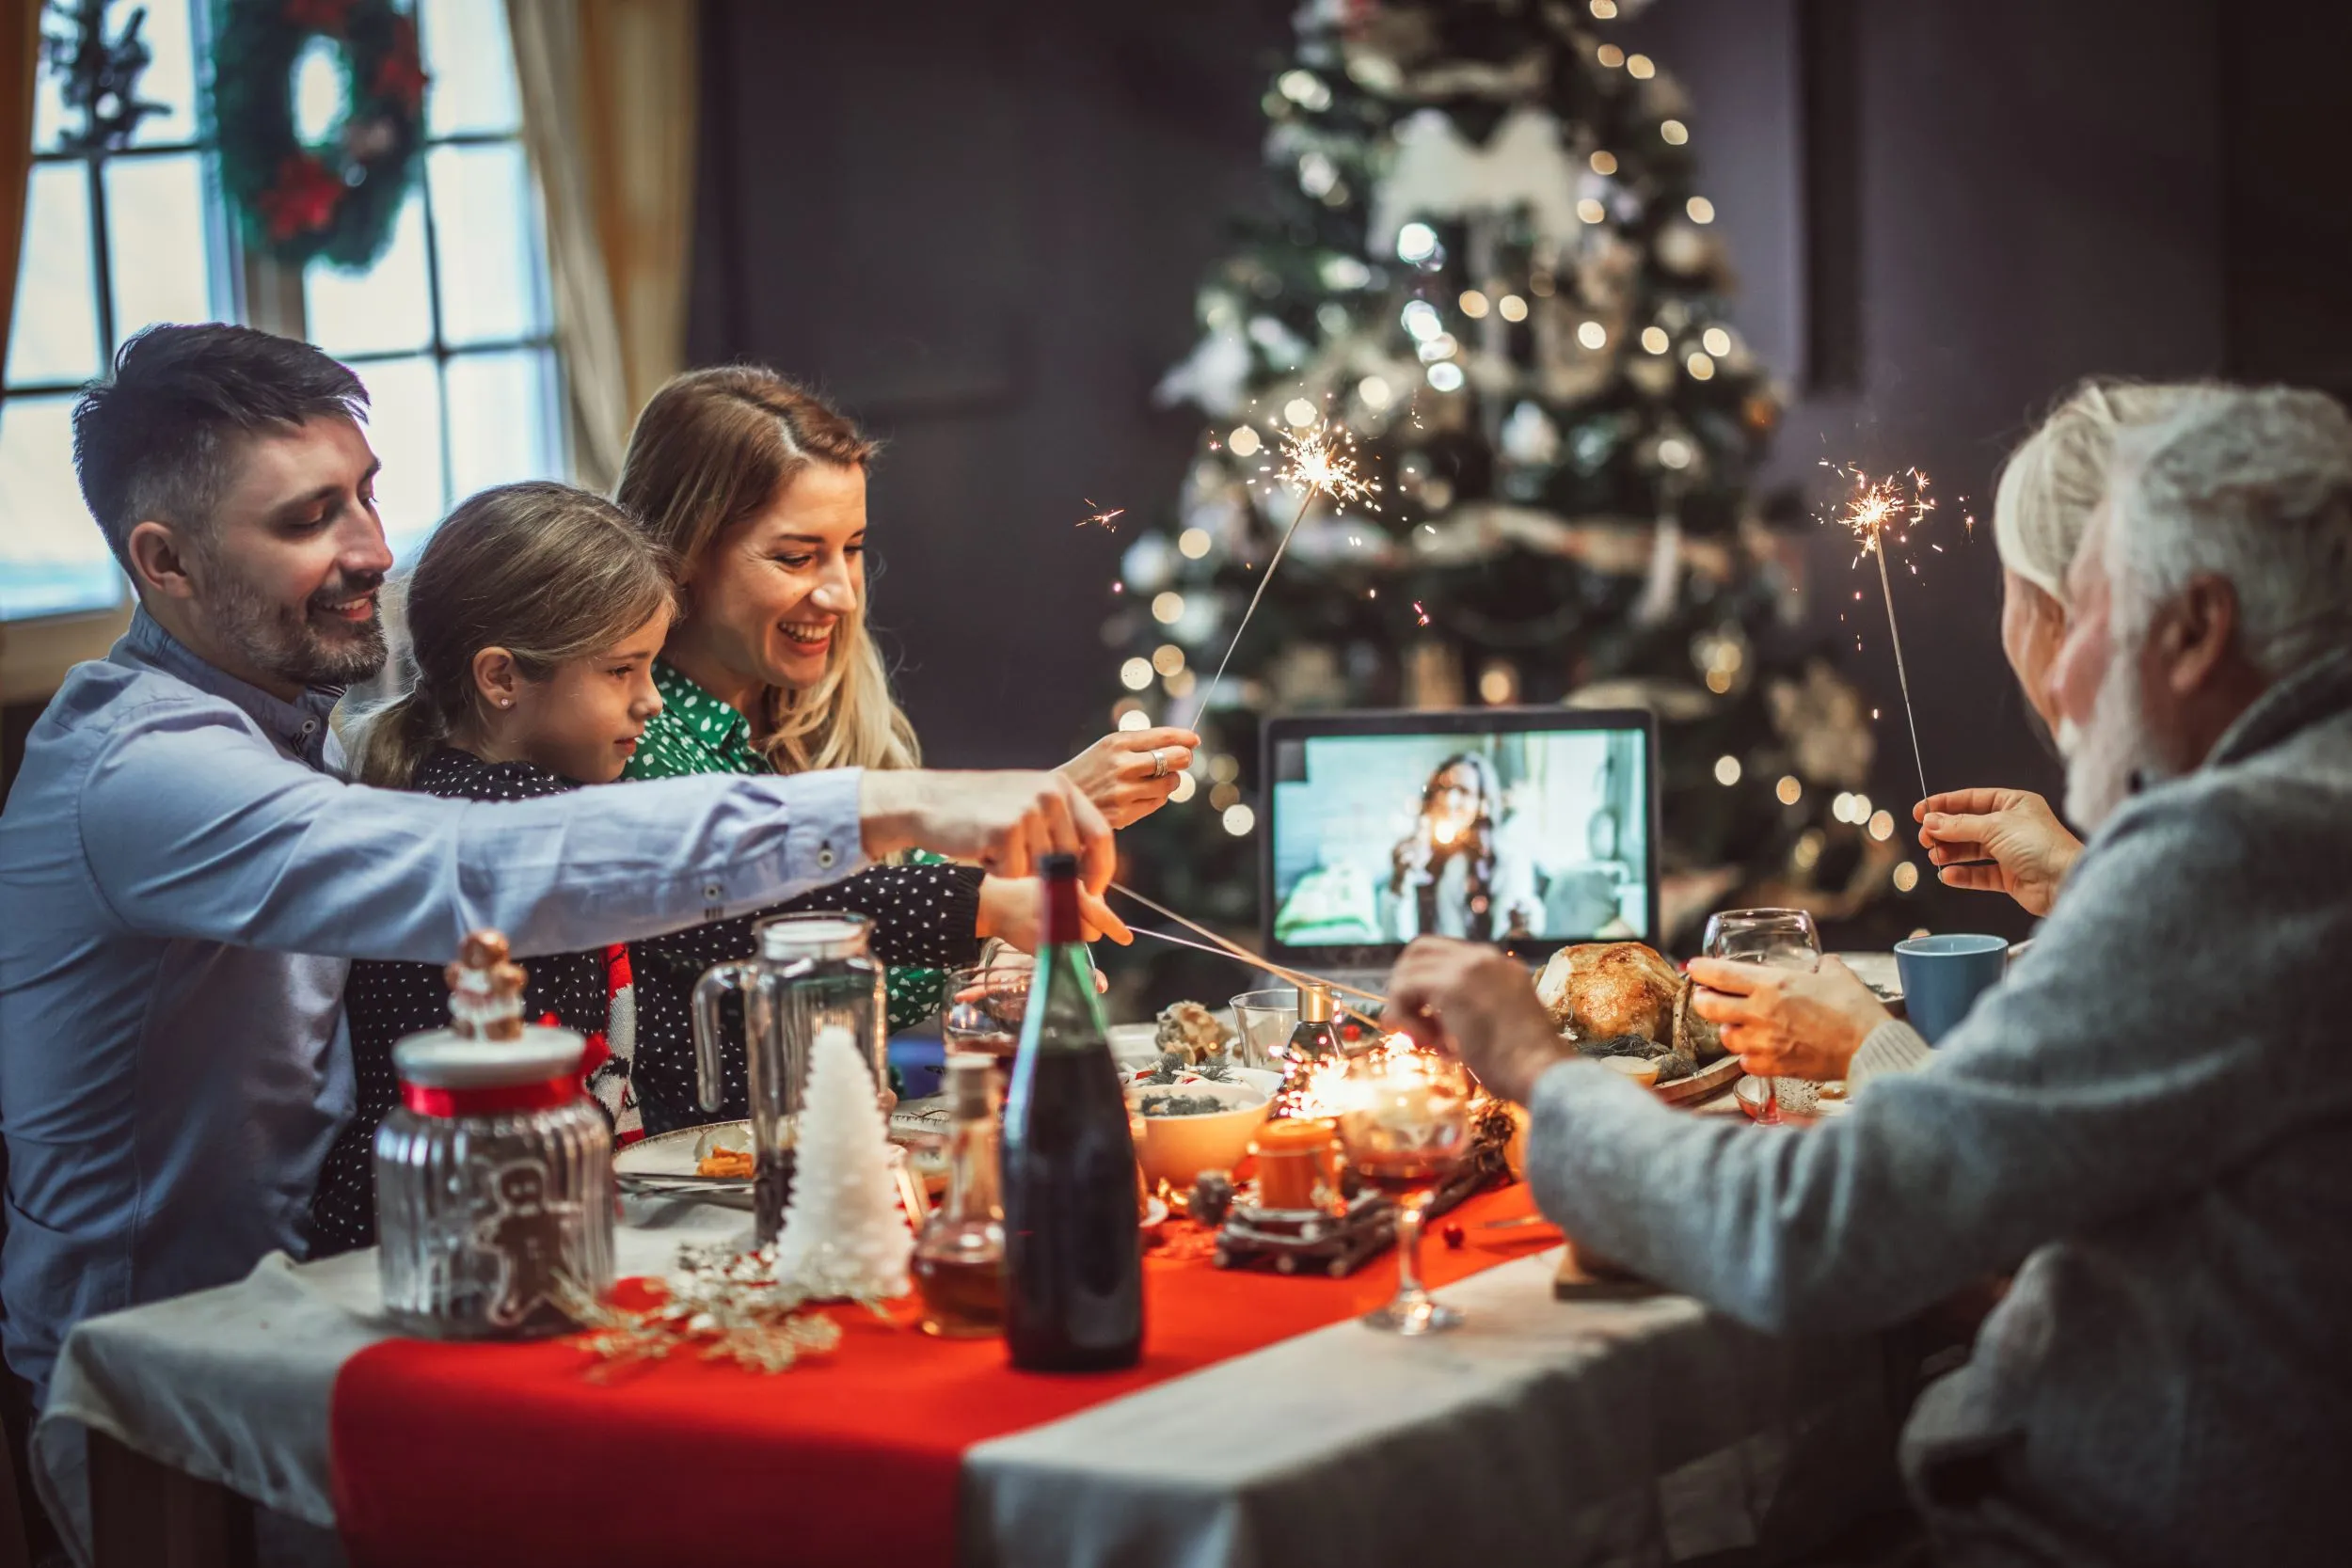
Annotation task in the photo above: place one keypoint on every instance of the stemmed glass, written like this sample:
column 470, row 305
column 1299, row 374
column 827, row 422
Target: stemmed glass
column 1780, row 939
column 984, row 1007
column 1405, row 1122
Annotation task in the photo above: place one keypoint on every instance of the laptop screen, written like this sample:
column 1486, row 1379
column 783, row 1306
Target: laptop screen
column 1527, row 827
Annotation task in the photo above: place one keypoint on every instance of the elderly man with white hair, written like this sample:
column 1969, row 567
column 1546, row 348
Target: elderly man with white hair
column 2150, row 1122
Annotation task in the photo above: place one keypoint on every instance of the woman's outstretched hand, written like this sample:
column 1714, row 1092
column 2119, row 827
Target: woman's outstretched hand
column 1012, row 910
column 2029, row 848
column 1120, row 775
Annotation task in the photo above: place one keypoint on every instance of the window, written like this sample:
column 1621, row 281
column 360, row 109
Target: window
column 452, row 329
column 113, row 239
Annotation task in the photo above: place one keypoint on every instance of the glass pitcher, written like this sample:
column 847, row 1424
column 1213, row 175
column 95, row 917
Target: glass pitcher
column 811, row 970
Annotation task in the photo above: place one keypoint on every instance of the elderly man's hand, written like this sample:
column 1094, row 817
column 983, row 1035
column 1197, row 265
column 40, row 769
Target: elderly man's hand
column 2028, row 848
column 1480, row 1001
column 1788, row 1022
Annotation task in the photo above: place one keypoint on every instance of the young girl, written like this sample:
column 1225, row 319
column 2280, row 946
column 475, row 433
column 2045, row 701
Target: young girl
column 535, row 613
column 757, row 488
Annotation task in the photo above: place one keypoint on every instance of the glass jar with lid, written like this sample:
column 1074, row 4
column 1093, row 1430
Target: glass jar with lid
column 493, row 1175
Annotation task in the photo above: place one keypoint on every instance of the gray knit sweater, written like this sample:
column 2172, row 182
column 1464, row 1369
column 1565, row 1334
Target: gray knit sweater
column 2150, row 1120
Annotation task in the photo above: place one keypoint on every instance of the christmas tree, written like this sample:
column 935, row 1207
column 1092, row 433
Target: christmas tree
column 1491, row 268
column 844, row 1235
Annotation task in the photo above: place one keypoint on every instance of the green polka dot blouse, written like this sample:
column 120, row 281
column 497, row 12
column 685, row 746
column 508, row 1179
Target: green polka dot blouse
column 697, row 732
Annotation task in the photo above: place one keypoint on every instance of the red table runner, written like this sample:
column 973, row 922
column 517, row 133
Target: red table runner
column 509, row 1454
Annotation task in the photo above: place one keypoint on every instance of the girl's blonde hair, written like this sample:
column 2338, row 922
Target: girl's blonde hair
column 714, row 448
column 547, row 572
column 2053, row 481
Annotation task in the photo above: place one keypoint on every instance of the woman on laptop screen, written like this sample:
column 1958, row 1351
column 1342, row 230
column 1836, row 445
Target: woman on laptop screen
column 1446, row 872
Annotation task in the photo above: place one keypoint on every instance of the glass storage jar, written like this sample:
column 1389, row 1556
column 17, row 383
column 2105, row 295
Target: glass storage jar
column 493, row 1186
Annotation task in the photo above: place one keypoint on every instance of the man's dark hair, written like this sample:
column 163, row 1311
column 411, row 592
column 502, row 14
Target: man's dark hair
column 154, row 438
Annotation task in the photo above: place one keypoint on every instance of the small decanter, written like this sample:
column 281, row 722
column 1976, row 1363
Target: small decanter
column 959, row 1259
column 1314, row 1043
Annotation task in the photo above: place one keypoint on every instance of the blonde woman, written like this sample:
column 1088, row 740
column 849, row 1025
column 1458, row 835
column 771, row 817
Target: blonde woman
column 1827, row 1024
column 757, row 488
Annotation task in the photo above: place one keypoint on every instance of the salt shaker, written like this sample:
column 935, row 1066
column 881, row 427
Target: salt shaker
column 493, row 1175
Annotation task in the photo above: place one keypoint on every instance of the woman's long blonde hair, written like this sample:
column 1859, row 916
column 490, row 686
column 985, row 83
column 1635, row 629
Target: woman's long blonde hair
column 547, row 572
column 2054, row 481
column 714, row 448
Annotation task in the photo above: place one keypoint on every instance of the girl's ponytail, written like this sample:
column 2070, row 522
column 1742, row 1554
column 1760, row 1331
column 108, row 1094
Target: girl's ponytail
column 388, row 742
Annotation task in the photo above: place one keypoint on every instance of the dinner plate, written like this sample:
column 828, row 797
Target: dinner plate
column 669, row 1159
column 1134, row 1044
column 1876, row 971
column 1137, row 1044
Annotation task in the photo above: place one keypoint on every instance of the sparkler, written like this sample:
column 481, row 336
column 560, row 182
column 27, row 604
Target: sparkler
column 1874, row 507
column 1103, row 518
column 1227, row 948
column 1317, row 461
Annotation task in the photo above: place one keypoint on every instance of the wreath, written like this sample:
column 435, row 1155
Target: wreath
column 339, row 199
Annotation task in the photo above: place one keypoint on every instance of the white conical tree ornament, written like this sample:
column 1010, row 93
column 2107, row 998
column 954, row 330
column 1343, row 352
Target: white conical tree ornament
column 843, row 1232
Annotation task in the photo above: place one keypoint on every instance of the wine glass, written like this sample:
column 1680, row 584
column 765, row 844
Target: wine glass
column 1405, row 1123
column 984, row 1009
column 1780, row 939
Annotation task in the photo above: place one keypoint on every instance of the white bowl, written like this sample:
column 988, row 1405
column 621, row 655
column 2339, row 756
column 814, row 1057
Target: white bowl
column 1178, row 1149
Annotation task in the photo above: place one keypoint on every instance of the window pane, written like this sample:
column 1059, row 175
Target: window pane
column 385, row 309
column 502, row 414
column 52, row 559
column 53, row 334
column 170, row 75
column 49, row 116
column 170, row 79
column 405, row 427
column 318, row 90
column 485, row 213
column 471, row 60
column 155, row 227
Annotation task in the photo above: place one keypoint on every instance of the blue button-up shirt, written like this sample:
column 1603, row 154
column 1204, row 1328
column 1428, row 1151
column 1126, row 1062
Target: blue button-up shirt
column 182, row 879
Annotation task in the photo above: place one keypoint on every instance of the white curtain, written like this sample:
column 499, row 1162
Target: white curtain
column 610, row 98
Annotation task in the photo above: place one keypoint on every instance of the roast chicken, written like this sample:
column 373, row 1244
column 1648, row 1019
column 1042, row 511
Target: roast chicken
column 1620, row 998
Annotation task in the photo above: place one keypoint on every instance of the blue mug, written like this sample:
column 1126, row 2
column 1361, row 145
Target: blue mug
column 1943, row 977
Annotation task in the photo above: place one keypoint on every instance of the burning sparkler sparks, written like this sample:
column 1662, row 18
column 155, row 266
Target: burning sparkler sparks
column 1321, row 1092
column 1323, row 458
column 1873, row 508
column 1101, row 516
column 1318, row 460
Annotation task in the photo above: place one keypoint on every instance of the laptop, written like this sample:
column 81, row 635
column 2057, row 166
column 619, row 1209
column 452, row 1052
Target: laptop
column 1530, row 828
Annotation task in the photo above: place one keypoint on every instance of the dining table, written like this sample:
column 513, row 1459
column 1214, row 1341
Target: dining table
column 1265, row 1425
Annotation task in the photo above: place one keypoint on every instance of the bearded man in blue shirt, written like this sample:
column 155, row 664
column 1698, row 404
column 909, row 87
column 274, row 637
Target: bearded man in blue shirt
column 184, row 875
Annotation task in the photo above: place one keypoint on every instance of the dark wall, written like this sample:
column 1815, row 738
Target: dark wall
column 985, row 238
column 2036, row 193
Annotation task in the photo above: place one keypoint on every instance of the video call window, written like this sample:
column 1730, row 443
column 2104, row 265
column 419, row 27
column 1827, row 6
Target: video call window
column 1534, row 835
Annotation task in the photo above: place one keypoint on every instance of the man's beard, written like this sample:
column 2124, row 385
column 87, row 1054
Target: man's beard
column 302, row 645
column 2114, row 754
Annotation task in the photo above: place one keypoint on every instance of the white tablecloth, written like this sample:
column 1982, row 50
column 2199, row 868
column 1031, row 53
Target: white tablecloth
column 1642, row 1432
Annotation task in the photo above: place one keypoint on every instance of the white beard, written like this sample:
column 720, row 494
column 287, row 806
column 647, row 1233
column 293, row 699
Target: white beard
column 2114, row 754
